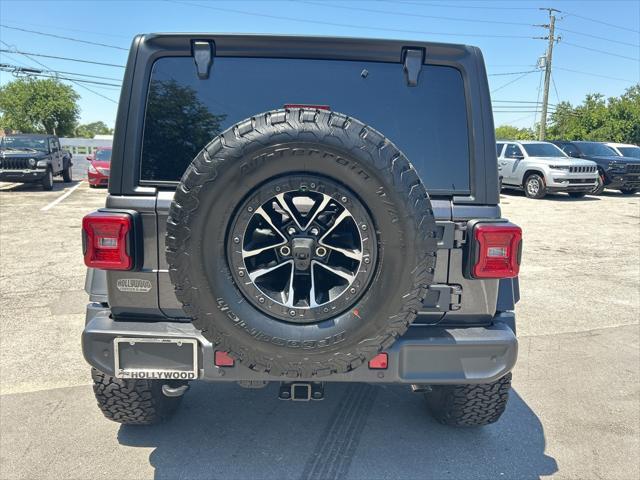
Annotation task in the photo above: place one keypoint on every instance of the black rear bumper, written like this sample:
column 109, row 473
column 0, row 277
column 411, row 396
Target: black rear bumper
column 424, row 355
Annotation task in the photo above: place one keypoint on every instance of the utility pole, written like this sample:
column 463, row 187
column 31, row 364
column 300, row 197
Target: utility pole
column 547, row 71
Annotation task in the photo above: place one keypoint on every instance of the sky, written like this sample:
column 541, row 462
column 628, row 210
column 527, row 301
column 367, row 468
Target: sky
column 598, row 52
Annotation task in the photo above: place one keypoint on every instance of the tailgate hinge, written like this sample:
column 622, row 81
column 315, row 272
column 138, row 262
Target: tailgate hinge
column 203, row 53
column 443, row 298
column 450, row 234
column 412, row 58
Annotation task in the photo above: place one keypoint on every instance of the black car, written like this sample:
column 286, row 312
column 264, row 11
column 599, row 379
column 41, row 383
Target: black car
column 33, row 158
column 616, row 172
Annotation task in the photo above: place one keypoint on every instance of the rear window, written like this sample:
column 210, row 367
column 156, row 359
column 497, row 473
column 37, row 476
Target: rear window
column 428, row 122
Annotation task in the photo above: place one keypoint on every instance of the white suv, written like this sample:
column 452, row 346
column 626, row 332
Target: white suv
column 625, row 149
column 540, row 167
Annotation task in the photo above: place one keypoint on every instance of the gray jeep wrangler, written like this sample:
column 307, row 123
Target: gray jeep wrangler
column 302, row 210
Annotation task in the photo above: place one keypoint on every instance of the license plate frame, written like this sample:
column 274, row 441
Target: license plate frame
column 185, row 368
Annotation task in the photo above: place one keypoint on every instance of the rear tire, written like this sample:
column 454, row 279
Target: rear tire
column 577, row 194
column 133, row 402
column 469, row 405
column 629, row 191
column 534, row 186
column 47, row 181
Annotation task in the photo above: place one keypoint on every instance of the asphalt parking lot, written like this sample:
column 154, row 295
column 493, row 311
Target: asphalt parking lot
column 574, row 410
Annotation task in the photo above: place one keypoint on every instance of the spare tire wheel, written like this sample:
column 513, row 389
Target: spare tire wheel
column 302, row 242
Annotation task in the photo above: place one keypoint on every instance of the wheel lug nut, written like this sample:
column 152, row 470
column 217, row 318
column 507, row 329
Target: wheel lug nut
column 321, row 251
column 261, row 299
column 367, row 260
column 314, row 231
column 236, row 239
column 241, row 273
column 285, row 251
column 363, row 227
column 292, row 313
column 352, row 290
column 291, row 231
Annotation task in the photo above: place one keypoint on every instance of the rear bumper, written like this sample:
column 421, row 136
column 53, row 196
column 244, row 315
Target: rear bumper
column 424, row 355
column 22, row 176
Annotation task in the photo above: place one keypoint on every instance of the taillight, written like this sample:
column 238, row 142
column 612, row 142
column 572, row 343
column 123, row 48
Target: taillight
column 223, row 359
column 107, row 240
column 496, row 250
column 379, row 362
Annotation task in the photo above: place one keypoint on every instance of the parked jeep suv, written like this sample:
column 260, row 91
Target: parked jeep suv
column 33, row 158
column 615, row 172
column 302, row 210
column 540, row 167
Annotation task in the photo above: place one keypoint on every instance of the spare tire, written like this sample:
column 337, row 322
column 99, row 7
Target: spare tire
column 302, row 242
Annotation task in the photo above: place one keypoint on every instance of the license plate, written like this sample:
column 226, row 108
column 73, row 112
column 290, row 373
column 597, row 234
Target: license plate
column 156, row 358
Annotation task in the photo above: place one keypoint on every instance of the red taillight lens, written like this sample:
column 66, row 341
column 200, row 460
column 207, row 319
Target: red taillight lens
column 222, row 359
column 379, row 362
column 497, row 250
column 302, row 105
column 106, row 240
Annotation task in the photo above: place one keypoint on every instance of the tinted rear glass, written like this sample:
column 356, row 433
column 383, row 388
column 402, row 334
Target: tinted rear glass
column 428, row 122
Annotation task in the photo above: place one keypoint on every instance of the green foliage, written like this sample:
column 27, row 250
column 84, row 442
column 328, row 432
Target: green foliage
column 616, row 119
column 90, row 130
column 508, row 132
column 39, row 106
column 180, row 122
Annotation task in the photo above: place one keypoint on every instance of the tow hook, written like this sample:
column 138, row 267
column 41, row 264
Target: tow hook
column 170, row 391
column 301, row 391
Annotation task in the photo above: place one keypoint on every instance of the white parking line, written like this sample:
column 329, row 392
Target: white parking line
column 61, row 197
column 7, row 186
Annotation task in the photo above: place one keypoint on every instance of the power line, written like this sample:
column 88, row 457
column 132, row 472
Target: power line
column 510, row 73
column 555, row 88
column 512, row 81
column 65, row 38
column 635, row 59
column 345, row 25
column 597, row 37
column 47, row 74
column 56, row 57
column 595, row 75
column 613, row 25
column 92, row 32
column 414, row 15
column 72, row 81
column 483, row 7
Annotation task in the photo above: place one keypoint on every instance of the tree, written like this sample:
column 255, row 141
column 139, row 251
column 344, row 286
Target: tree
column 508, row 132
column 616, row 119
column 90, row 130
column 180, row 123
column 39, row 106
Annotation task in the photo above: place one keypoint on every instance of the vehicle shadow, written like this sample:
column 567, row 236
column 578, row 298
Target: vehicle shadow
column 58, row 186
column 358, row 431
column 556, row 197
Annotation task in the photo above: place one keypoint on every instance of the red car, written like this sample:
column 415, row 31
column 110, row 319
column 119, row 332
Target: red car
column 98, row 171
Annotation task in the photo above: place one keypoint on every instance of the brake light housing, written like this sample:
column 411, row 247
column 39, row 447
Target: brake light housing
column 108, row 240
column 495, row 250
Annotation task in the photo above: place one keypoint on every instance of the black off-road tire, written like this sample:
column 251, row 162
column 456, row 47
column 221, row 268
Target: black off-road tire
column 599, row 188
column 629, row 191
column 542, row 187
column 67, row 176
column 469, row 405
column 577, row 194
column 47, row 181
column 287, row 145
column 133, row 402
